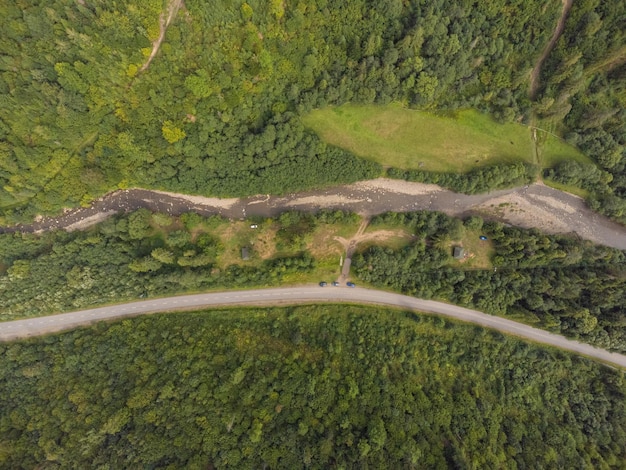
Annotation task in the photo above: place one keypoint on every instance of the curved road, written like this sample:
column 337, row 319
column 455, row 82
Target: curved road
column 292, row 295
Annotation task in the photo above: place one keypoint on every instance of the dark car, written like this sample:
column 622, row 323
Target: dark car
column 323, row 284
column 350, row 284
column 335, row 284
column 482, row 237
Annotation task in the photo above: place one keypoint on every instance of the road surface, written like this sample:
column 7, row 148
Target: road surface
column 291, row 295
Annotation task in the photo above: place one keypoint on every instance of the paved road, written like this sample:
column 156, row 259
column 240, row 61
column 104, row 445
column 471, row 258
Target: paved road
column 291, row 295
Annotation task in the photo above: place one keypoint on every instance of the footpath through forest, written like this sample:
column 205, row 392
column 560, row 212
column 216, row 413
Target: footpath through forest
column 535, row 206
column 558, row 30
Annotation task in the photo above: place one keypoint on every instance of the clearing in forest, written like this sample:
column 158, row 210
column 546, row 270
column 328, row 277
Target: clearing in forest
column 409, row 139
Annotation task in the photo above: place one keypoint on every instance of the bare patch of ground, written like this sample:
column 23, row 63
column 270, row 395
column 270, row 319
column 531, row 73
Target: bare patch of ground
column 379, row 236
column 265, row 244
column 89, row 221
column 556, row 204
column 398, row 186
column 324, row 243
column 201, row 200
column 321, row 200
column 526, row 212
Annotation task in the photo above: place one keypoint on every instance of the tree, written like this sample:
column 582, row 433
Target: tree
column 171, row 133
column 144, row 265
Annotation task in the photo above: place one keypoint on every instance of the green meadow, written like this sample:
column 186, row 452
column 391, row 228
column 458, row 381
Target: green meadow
column 409, row 139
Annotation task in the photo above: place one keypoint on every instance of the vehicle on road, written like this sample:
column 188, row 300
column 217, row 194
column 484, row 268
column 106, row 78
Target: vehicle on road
column 335, row 284
column 323, row 284
column 350, row 284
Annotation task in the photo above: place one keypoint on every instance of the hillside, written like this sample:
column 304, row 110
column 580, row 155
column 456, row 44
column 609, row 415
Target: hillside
column 300, row 387
column 207, row 100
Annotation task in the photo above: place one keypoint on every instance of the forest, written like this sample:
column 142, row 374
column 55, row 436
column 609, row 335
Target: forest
column 304, row 387
column 584, row 94
column 478, row 180
column 86, row 107
column 559, row 283
column 144, row 255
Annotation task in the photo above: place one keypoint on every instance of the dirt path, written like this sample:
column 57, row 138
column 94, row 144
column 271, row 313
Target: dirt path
column 534, row 75
column 350, row 246
column 164, row 22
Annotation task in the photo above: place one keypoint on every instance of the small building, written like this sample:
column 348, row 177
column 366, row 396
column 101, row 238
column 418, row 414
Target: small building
column 245, row 253
column 458, row 252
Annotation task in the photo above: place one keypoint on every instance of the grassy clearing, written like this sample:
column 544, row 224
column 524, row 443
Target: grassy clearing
column 478, row 252
column 410, row 139
column 264, row 243
column 327, row 243
column 553, row 150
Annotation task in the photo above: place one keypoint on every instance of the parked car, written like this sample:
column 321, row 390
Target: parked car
column 335, row 284
column 350, row 284
column 323, row 284
column 482, row 237
column 254, row 226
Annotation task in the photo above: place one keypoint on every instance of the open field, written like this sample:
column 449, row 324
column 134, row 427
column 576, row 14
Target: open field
column 410, row 139
column 553, row 150
column 478, row 253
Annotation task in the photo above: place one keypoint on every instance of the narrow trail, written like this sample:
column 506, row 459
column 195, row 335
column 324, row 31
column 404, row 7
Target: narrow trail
column 172, row 10
column 534, row 75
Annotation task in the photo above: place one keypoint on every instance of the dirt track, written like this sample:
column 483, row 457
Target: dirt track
column 534, row 206
column 558, row 30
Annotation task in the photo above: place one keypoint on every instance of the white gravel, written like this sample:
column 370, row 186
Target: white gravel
column 397, row 186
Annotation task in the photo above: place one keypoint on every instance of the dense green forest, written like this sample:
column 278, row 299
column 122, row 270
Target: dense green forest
column 304, row 387
column 559, row 283
column 217, row 111
column 478, row 180
column 144, row 254
column 584, row 93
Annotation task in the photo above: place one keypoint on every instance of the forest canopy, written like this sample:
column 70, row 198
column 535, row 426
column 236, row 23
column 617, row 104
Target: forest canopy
column 89, row 105
column 304, row 387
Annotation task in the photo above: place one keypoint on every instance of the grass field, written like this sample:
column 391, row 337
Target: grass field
column 478, row 252
column 553, row 150
column 410, row 139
